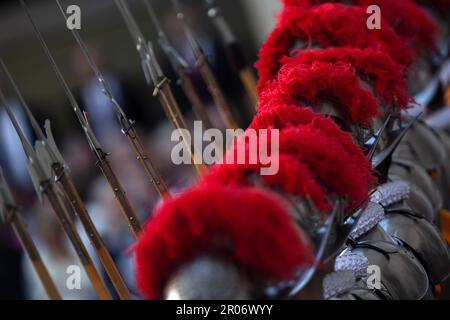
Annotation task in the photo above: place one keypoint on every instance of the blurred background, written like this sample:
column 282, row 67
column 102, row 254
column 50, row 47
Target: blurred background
column 113, row 49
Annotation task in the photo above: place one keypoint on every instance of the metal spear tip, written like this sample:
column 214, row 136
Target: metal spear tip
column 213, row 10
column 373, row 143
column 395, row 138
column 52, row 144
column 44, row 157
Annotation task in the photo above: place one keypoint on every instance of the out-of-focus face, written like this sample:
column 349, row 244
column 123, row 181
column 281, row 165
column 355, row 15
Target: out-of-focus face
column 80, row 66
column 174, row 28
column 421, row 75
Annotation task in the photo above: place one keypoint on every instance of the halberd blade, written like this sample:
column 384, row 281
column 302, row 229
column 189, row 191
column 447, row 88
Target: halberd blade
column 396, row 138
column 35, row 167
column 92, row 140
column 51, row 144
column 174, row 57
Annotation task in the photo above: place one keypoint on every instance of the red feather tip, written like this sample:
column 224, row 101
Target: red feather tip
column 316, row 160
column 338, row 163
column 249, row 227
column 280, row 116
column 293, row 177
column 283, row 116
column 408, row 19
column 387, row 76
column 327, row 25
column 319, row 82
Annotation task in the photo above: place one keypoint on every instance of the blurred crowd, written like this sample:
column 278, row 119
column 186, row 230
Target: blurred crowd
column 17, row 278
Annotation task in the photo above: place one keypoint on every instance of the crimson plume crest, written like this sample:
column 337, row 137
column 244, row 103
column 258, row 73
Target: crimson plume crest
column 319, row 53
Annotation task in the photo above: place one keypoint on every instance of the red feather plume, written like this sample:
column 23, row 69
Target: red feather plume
column 341, row 172
column 409, row 20
column 250, row 227
column 293, row 177
column 388, row 77
column 310, row 84
column 328, row 25
column 280, row 116
column 326, row 156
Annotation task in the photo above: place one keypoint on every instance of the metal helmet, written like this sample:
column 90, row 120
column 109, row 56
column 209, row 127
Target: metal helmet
column 208, row 278
column 423, row 239
column 412, row 172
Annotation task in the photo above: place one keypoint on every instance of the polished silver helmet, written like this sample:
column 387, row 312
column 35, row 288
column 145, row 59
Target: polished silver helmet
column 423, row 239
column 208, row 278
